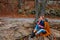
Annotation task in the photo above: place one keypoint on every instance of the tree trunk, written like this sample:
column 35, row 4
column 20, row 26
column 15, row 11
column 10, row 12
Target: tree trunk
column 36, row 9
column 19, row 4
column 42, row 6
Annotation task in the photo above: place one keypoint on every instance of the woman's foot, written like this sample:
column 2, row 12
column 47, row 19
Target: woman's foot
column 32, row 35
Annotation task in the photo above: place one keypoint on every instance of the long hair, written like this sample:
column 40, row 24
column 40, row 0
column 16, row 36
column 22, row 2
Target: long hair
column 46, row 19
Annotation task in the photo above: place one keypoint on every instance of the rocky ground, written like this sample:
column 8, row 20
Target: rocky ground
column 14, row 28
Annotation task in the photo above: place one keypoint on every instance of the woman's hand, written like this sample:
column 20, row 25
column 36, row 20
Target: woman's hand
column 41, row 26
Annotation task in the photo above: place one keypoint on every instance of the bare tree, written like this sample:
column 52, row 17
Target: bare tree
column 36, row 9
column 42, row 6
column 19, row 4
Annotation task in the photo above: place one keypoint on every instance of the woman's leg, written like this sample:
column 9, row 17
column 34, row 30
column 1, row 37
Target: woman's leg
column 40, row 31
column 36, row 28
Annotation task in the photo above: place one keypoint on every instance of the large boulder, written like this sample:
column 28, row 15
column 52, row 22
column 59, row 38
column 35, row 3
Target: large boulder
column 14, row 29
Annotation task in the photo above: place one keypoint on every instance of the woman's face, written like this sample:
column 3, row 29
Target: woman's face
column 41, row 17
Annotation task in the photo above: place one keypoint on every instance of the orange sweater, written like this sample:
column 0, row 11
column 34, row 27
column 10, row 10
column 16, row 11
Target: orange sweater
column 47, row 28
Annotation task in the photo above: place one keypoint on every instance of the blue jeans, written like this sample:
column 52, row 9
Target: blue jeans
column 39, row 30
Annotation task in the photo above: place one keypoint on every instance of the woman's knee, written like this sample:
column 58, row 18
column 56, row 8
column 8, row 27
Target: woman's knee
column 36, row 28
column 40, row 31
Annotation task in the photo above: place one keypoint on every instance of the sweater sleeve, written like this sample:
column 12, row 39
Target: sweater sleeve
column 47, row 26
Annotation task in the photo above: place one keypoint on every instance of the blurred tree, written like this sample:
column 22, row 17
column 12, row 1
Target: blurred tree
column 19, row 4
column 36, row 9
column 43, row 6
column 40, row 10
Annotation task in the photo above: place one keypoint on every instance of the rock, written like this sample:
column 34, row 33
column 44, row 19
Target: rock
column 24, row 32
column 26, row 25
column 45, row 38
column 55, row 32
column 17, row 34
column 1, row 38
column 14, row 29
column 58, row 38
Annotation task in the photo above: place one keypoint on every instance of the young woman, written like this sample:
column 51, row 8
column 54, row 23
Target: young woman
column 39, row 27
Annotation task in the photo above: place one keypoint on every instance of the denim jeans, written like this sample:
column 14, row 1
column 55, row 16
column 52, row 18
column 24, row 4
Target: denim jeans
column 39, row 30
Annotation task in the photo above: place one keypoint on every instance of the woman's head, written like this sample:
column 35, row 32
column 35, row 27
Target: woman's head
column 46, row 19
column 41, row 17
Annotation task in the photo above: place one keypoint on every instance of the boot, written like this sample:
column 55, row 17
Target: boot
column 32, row 35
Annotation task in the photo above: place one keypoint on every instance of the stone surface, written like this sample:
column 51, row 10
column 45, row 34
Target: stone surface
column 12, row 29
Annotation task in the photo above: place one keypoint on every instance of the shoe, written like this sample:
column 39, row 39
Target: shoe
column 32, row 35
